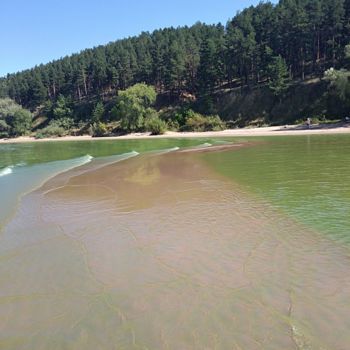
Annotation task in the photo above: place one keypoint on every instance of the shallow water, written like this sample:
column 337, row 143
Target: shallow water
column 24, row 167
column 160, row 252
column 307, row 177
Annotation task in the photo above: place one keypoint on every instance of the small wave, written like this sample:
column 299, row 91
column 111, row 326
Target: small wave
column 166, row 150
column 203, row 145
column 9, row 169
column 172, row 149
column 6, row 171
column 86, row 159
column 116, row 158
column 101, row 162
column 75, row 162
column 222, row 142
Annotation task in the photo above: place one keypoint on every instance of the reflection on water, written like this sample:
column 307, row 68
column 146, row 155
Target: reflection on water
column 158, row 252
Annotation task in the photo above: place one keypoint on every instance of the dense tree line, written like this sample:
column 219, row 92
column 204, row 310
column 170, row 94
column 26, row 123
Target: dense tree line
column 291, row 40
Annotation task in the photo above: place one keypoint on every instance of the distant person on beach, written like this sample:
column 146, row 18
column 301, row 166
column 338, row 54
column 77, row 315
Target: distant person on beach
column 308, row 123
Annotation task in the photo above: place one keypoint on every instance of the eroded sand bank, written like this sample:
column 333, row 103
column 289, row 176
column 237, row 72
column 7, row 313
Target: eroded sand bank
column 159, row 252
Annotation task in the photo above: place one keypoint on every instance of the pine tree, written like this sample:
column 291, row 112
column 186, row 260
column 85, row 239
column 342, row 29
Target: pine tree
column 279, row 77
column 97, row 113
column 38, row 92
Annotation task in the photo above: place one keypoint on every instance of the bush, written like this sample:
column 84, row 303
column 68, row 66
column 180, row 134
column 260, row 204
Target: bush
column 173, row 125
column 186, row 119
column 14, row 120
column 199, row 122
column 65, row 122
column 21, row 122
column 4, row 135
column 183, row 115
column 4, row 129
column 98, row 129
column 155, row 125
column 51, row 130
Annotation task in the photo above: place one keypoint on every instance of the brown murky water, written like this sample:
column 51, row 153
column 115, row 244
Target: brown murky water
column 159, row 252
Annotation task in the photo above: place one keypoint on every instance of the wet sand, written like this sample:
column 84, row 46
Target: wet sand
column 159, row 252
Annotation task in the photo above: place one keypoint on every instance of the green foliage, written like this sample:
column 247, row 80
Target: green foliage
column 176, row 118
column 347, row 51
column 98, row 129
column 210, row 70
column 309, row 35
column 279, row 76
column 256, row 46
column 180, row 116
column 66, row 123
column 155, row 125
column 134, row 106
column 97, row 113
column 21, row 122
column 61, row 109
column 339, row 82
column 8, row 108
column 199, row 122
column 51, row 130
column 62, row 122
column 339, row 90
column 37, row 90
column 4, row 129
column 14, row 120
column 185, row 119
column 172, row 125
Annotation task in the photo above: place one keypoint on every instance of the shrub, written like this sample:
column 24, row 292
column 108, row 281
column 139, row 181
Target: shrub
column 199, row 122
column 15, row 120
column 64, row 122
column 21, row 122
column 8, row 108
column 173, row 125
column 183, row 115
column 98, row 129
column 51, row 130
column 4, row 135
column 4, row 129
column 155, row 125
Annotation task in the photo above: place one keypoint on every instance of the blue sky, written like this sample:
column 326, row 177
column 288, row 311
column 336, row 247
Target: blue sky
column 38, row 31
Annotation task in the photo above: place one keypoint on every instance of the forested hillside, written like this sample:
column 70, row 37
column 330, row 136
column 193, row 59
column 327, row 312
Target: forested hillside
column 264, row 46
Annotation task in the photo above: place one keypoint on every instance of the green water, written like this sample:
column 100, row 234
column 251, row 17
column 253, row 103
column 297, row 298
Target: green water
column 307, row 177
column 161, row 252
column 41, row 152
column 26, row 166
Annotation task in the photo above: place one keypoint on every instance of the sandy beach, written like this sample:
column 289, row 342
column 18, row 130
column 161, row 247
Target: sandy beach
column 242, row 132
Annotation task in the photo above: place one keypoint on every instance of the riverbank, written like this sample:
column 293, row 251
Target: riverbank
column 243, row 132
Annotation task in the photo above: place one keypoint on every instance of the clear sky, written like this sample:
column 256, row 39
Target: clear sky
column 38, row 31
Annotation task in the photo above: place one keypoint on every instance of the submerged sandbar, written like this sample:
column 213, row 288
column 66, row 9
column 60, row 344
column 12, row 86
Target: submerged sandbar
column 160, row 252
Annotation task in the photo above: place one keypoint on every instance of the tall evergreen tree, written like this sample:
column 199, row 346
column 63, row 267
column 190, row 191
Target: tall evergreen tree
column 279, row 77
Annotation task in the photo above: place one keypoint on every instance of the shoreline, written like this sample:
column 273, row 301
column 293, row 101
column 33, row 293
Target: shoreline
column 243, row 132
